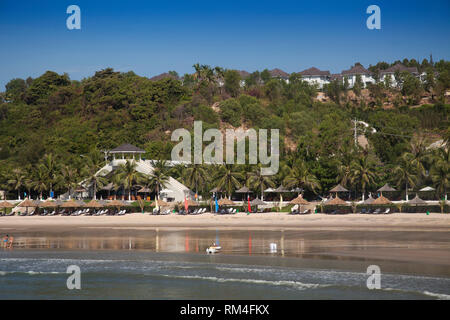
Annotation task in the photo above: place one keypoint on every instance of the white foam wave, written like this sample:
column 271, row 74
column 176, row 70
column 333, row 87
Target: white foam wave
column 440, row 296
column 293, row 284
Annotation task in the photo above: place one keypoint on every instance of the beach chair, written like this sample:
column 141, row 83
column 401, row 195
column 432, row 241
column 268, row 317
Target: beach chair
column 387, row 211
column 377, row 211
column 32, row 213
column 363, row 211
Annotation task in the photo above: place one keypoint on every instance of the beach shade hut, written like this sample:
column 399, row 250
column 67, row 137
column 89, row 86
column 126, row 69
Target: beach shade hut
column 27, row 203
column 215, row 190
column 337, row 189
column 257, row 202
column 71, row 204
column 115, row 203
column 299, row 201
column 226, row 202
column 369, row 200
column 94, row 204
column 336, row 202
column 417, row 201
column 48, row 204
column 386, row 188
column 381, row 200
column 5, row 204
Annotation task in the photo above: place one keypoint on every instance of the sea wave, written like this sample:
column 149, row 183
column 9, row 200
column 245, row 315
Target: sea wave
column 29, row 272
column 440, row 296
column 294, row 284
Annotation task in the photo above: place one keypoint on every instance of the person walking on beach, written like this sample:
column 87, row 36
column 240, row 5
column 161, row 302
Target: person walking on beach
column 5, row 241
column 10, row 242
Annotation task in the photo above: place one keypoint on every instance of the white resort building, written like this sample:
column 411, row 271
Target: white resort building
column 353, row 72
column 172, row 191
column 316, row 76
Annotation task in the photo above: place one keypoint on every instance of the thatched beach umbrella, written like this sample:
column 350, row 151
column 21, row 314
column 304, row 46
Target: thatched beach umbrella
column 115, row 203
column 386, row 188
column 48, row 204
column 369, row 200
column 336, row 202
column 94, row 204
column 71, row 204
column 338, row 188
column 300, row 201
column 27, row 203
column 190, row 203
column 6, row 204
column 257, row 202
column 226, row 202
column 381, row 200
column 417, row 201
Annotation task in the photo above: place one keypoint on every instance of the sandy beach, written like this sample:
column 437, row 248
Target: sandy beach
column 397, row 221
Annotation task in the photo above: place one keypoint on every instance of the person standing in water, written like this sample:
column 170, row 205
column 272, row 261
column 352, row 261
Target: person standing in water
column 10, row 242
column 5, row 241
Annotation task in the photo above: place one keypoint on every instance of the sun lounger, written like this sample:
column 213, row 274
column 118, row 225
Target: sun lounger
column 377, row 211
column 387, row 211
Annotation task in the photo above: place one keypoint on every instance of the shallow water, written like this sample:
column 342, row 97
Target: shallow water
column 171, row 264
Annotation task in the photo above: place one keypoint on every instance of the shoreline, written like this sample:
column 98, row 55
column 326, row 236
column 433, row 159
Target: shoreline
column 396, row 221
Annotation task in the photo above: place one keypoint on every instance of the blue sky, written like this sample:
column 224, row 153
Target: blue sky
column 151, row 37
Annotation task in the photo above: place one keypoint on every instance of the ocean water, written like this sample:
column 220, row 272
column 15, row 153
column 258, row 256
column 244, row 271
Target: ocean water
column 34, row 271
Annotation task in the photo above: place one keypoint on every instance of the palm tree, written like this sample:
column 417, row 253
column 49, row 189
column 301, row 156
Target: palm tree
column 301, row 177
column 40, row 180
column 91, row 174
column 68, row 178
column 440, row 171
column 406, row 172
column 158, row 178
column 228, row 178
column 50, row 167
column 17, row 180
column 195, row 175
column 362, row 172
column 128, row 175
column 257, row 181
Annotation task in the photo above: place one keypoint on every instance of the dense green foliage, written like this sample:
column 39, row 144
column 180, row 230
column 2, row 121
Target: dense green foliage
column 52, row 119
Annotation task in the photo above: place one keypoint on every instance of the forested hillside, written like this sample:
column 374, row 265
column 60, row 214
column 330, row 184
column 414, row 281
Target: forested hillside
column 68, row 119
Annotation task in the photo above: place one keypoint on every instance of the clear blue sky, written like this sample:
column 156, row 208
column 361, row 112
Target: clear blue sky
column 150, row 37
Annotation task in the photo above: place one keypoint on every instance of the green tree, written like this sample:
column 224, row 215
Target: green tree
column 127, row 174
column 405, row 172
column 17, row 180
column 228, row 178
column 300, row 176
column 258, row 181
column 232, row 82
